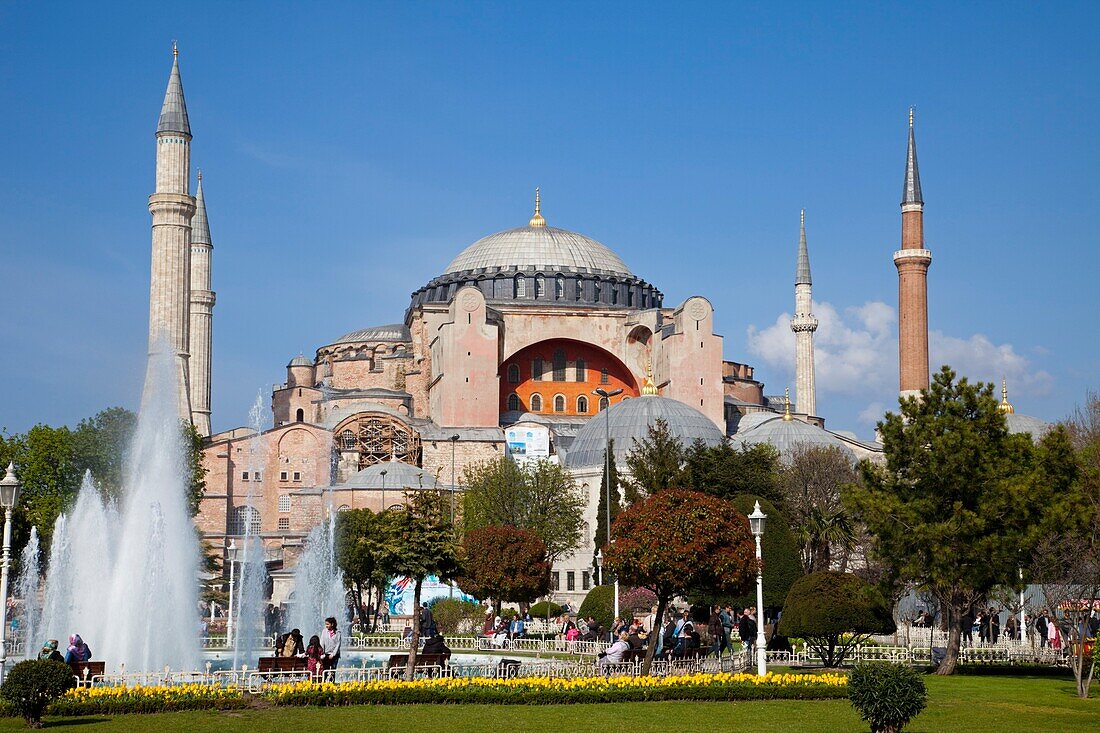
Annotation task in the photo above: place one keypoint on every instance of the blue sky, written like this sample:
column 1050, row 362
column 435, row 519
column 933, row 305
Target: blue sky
column 350, row 151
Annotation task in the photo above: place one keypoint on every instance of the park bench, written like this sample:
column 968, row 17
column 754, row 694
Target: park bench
column 283, row 664
column 85, row 671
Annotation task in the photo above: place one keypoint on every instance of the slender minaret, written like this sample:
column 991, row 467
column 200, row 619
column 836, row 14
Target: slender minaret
column 912, row 261
column 804, row 324
column 202, row 306
column 172, row 208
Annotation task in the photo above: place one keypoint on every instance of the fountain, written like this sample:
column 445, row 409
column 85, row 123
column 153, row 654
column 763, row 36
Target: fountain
column 126, row 579
column 318, row 581
column 26, row 587
column 248, row 621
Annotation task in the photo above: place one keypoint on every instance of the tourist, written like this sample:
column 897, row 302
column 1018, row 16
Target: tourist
column 330, row 644
column 582, row 628
column 489, row 627
column 728, row 622
column 437, row 645
column 49, row 651
column 292, row 644
column 715, row 629
column 1011, row 631
column 983, row 627
column 667, row 639
column 1042, row 627
column 427, row 622
column 614, row 653
column 1054, row 635
column 315, row 656
column 966, row 625
column 994, row 625
column 684, row 637
column 517, row 628
column 746, row 628
column 78, row 651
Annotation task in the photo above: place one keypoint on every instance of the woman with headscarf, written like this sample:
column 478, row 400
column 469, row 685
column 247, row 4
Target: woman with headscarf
column 78, row 651
column 293, row 645
column 49, row 651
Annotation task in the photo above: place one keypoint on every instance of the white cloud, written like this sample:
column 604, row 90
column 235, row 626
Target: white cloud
column 856, row 354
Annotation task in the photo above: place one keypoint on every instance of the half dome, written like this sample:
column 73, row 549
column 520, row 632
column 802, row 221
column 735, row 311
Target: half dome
column 630, row 421
column 787, row 435
column 538, row 247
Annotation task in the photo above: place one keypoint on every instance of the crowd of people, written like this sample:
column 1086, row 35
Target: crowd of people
column 321, row 653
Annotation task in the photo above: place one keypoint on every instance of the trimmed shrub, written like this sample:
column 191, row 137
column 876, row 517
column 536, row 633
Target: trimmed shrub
column 600, row 604
column 32, row 685
column 539, row 610
column 886, row 695
column 834, row 612
column 455, row 616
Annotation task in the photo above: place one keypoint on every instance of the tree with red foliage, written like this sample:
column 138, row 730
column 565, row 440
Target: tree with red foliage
column 504, row 564
column 704, row 542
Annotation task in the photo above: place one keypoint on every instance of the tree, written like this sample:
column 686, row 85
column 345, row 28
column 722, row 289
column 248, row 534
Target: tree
column 196, row 485
column 359, row 533
column 600, row 536
column 705, row 547
column 101, row 444
column 45, row 464
column 779, row 551
column 505, row 564
column 726, row 472
column 539, row 496
column 811, row 483
column 960, row 503
column 834, row 612
column 655, row 463
column 418, row 542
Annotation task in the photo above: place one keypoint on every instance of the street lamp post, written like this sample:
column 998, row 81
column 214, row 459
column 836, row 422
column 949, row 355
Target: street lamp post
column 9, row 496
column 599, row 567
column 383, row 473
column 756, row 522
column 454, row 528
column 231, row 555
column 604, row 394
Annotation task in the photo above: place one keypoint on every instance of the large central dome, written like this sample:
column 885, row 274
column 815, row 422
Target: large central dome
column 539, row 248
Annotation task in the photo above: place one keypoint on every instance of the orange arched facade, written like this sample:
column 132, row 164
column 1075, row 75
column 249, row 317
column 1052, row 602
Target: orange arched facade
column 557, row 377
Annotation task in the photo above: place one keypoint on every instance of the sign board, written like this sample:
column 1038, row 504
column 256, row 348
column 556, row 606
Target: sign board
column 527, row 442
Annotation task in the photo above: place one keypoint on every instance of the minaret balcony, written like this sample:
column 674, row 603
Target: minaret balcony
column 803, row 323
column 913, row 255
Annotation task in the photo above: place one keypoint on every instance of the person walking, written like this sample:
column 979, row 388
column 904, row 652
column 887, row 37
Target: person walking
column 330, row 644
column 1042, row 627
column 714, row 628
column 994, row 625
column 746, row 629
column 427, row 622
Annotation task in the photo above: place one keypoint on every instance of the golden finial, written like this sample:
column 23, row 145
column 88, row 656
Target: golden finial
column 787, row 405
column 200, row 174
column 910, row 115
column 175, row 49
column 1005, row 407
column 537, row 221
column 649, row 389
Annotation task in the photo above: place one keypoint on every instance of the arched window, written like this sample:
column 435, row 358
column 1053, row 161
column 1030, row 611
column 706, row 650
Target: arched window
column 536, row 369
column 614, row 294
column 347, row 440
column 559, row 287
column 513, row 374
column 300, row 415
column 246, row 521
column 540, row 286
column 559, row 366
column 536, row 403
column 559, row 403
column 519, row 290
column 580, row 289
column 513, row 402
column 582, row 374
column 343, row 508
column 582, row 405
column 596, row 291
column 603, row 404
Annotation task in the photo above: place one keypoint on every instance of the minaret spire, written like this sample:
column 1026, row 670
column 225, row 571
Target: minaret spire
column 173, row 112
column 804, row 324
column 202, row 307
column 912, row 261
column 537, row 221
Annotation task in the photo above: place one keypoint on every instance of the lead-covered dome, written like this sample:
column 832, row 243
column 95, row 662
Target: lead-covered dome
column 631, row 420
column 539, row 248
column 786, row 435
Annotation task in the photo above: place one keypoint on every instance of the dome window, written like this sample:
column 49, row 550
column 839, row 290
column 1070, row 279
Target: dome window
column 559, row 287
column 540, row 287
column 520, row 288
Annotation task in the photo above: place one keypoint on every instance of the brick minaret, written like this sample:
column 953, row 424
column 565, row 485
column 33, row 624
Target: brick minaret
column 202, row 306
column 912, row 261
column 172, row 208
column 804, row 324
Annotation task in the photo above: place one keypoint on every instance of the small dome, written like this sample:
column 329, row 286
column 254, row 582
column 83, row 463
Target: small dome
column 397, row 332
column 1026, row 424
column 300, row 361
column 786, row 435
column 398, row 476
column 539, row 247
column 630, row 421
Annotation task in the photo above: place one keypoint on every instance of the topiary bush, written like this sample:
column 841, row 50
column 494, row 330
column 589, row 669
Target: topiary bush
column 455, row 616
column 834, row 612
column 539, row 610
column 32, row 685
column 600, row 604
column 886, row 695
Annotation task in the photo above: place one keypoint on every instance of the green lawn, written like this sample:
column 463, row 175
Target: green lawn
column 1029, row 704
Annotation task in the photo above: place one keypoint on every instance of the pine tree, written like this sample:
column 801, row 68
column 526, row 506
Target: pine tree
column 600, row 537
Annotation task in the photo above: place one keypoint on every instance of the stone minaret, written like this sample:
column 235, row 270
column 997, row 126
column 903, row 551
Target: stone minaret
column 912, row 261
column 804, row 324
column 172, row 208
column 202, row 306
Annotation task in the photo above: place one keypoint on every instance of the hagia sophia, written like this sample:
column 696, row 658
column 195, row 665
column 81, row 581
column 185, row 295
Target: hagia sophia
column 503, row 353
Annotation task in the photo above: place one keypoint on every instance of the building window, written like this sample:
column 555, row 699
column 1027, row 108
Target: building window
column 559, row 403
column 605, row 378
column 603, row 404
column 513, row 402
column 596, row 291
column 586, row 580
column 300, row 415
column 347, row 440
column 244, row 475
column 513, row 374
column 536, row 369
column 519, row 290
column 580, row 289
column 284, row 503
column 540, row 286
column 555, row 580
column 582, row 372
column 570, row 580
column 257, row 476
column 582, row 405
column 297, row 475
column 559, row 366
column 559, row 287
column 343, row 508
column 284, row 524
column 614, row 294
column 246, row 521
column 283, row 475
column 536, row 403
